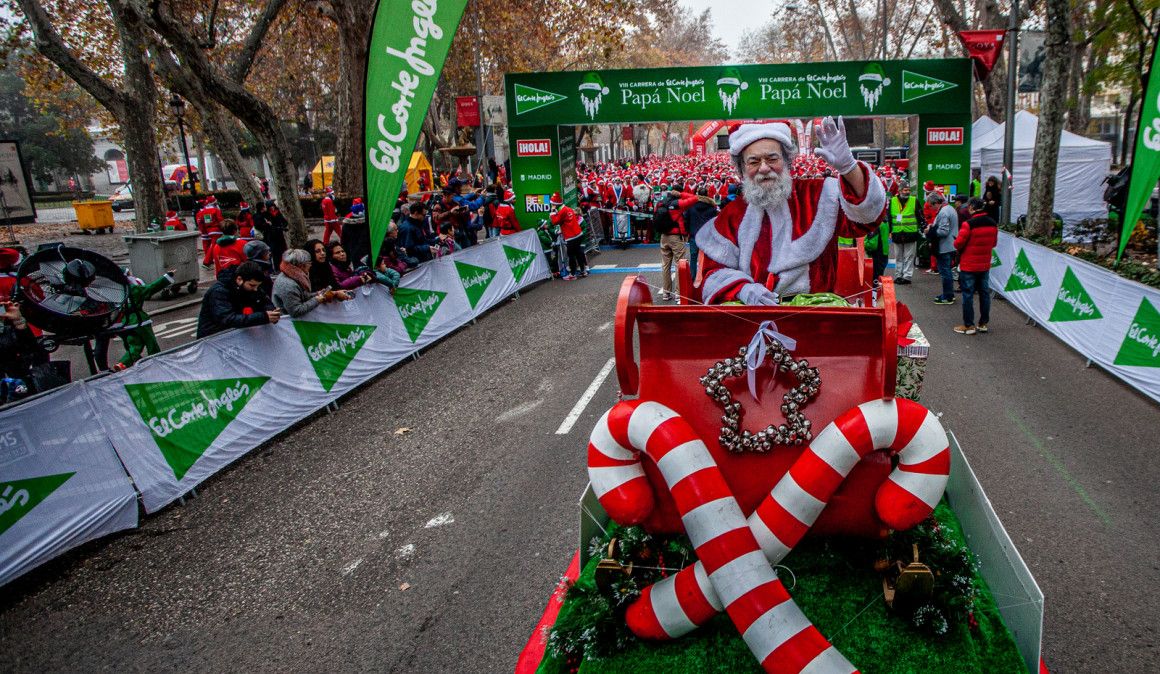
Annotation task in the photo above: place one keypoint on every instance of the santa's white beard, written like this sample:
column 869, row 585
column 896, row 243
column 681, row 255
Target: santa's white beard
column 767, row 191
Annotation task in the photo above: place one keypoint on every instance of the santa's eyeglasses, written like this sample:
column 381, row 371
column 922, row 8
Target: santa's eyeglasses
column 772, row 160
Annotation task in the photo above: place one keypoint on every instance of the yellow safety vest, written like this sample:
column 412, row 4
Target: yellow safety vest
column 902, row 217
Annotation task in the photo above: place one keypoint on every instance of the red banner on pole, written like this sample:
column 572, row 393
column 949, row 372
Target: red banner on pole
column 467, row 110
column 626, row 132
column 984, row 47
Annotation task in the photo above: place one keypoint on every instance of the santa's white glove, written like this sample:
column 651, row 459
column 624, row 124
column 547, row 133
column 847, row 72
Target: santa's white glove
column 755, row 294
column 834, row 147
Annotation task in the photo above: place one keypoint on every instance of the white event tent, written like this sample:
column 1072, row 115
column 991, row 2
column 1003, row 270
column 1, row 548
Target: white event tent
column 1083, row 165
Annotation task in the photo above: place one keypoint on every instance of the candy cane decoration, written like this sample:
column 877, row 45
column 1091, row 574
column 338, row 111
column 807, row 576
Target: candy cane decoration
column 776, row 631
column 678, row 604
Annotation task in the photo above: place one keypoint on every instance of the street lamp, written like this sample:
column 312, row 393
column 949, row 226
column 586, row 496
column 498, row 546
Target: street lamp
column 177, row 107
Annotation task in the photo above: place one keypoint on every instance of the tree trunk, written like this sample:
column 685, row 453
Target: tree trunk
column 1125, row 127
column 352, row 63
column 137, row 122
column 995, row 90
column 1079, row 99
column 1057, row 65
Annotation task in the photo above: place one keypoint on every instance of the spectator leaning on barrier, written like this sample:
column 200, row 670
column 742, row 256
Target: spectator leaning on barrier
column 292, row 293
column 345, row 274
column 412, row 239
column 977, row 238
column 236, row 302
column 321, row 274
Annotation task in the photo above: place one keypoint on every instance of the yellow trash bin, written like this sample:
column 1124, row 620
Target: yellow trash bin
column 95, row 215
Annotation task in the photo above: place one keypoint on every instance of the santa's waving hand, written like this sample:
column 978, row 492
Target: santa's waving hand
column 780, row 237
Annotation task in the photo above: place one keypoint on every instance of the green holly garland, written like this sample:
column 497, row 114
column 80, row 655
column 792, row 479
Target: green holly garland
column 594, row 628
column 954, row 568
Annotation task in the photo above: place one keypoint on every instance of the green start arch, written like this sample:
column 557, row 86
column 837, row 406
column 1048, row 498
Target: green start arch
column 543, row 110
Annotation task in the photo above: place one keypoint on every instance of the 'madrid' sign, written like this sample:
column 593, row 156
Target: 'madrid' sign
column 540, row 147
column 944, row 135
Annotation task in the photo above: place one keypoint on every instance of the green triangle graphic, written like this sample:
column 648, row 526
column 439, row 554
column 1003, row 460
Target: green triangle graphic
column 917, row 85
column 417, row 308
column 475, row 280
column 331, row 346
column 531, row 98
column 1072, row 302
column 995, row 261
column 1023, row 276
column 1141, row 345
column 519, row 260
column 185, row 417
column 19, row 497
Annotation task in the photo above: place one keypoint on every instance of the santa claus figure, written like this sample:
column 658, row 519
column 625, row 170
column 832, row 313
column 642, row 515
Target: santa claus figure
column 781, row 237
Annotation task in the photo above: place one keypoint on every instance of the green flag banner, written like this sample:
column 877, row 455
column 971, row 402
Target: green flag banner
column 1146, row 158
column 408, row 44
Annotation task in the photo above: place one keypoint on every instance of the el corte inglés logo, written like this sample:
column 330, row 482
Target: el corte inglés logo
column 185, row 417
column 331, row 347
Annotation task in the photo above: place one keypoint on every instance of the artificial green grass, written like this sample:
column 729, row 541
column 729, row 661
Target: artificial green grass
column 838, row 590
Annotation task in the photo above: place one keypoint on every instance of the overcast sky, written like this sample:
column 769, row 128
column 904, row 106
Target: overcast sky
column 731, row 18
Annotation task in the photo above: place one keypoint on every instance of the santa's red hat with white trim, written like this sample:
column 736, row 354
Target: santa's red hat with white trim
column 747, row 134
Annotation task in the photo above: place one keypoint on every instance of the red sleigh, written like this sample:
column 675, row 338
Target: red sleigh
column 854, row 348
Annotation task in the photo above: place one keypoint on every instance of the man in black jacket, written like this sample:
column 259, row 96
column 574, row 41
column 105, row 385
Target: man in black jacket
column 236, row 302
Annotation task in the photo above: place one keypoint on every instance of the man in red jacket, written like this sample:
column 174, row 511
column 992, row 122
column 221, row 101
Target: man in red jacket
column 330, row 217
column 977, row 237
column 569, row 224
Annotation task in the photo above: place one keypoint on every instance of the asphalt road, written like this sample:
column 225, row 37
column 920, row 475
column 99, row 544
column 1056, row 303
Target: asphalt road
column 351, row 544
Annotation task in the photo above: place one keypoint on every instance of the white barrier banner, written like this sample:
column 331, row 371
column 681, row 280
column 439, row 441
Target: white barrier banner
column 60, row 482
column 1111, row 320
column 178, row 418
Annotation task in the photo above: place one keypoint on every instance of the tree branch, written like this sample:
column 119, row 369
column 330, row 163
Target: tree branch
column 52, row 46
column 245, row 60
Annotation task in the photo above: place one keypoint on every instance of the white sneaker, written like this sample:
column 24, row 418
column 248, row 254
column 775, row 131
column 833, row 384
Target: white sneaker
column 667, row 297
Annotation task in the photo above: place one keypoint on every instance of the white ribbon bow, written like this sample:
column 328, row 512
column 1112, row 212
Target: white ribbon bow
column 758, row 348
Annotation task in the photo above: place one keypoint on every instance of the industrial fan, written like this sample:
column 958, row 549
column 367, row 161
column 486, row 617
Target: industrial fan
column 70, row 292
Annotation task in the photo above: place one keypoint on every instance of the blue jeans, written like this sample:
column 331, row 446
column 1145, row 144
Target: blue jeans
column 945, row 262
column 976, row 282
column 692, row 247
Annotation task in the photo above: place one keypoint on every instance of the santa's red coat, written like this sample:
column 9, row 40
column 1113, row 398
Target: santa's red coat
column 743, row 245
